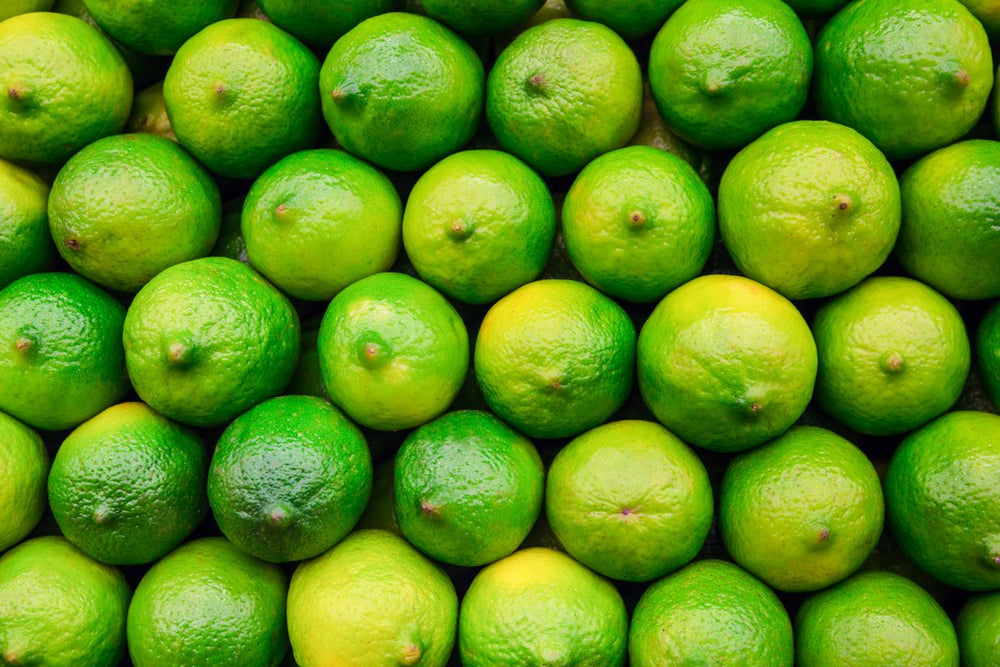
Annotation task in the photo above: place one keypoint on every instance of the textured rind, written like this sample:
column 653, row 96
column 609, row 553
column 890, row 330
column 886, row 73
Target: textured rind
column 25, row 242
column 24, row 466
column 154, row 27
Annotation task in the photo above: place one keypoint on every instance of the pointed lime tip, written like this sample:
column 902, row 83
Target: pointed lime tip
column 72, row 243
column 636, row 219
column 23, row 344
column 179, row 354
column 10, row 657
column 428, row 508
column 842, row 203
column 371, row 354
column 893, row 363
column 278, row 516
column 962, row 78
column 337, row 95
column 537, row 82
column 823, row 535
column 411, row 655
column 14, row 93
column 102, row 515
column 281, row 211
column 459, row 230
column 220, row 90
column 755, row 408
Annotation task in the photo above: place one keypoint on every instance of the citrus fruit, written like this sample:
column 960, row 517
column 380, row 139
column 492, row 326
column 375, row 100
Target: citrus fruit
column 25, row 244
column 320, row 220
column 638, row 222
column 24, row 465
column 653, row 132
column 59, row 607
column 467, row 488
column 149, row 113
column 724, row 71
column 893, row 354
column 128, row 485
column 479, row 224
column 241, row 94
column 371, row 600
column 481, row 17
column 950, row 236
column 711, row 612
column 379, row 512
column 209, row 338
column 631, row 20
column 61, row 356
column 978, row 628
column 541, row 607
column 874, row 618
column 393, row 352
column 809, row 209
column 940, row 492
column 152, row 27
column 319, row 23
column 629, row 500
column 555, row 358
column 126, row 207
column 15, row 7
column 208, row 603
column 726, row 363
column 803, row 511
column 402, row 91
column 562, row 93
column 988, row 14
column 64, row 85
column 988, row 352
column 911, row 75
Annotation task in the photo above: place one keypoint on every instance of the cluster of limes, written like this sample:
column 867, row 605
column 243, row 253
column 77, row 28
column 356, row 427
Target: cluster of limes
column 525, row 332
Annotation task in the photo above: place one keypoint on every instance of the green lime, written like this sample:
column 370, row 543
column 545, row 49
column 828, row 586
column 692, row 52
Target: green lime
column 638, row 222
column 482, row 17
column 479, row 224
column 562, row 93
column 988, row 13
column 24, row 465
column 874, row 618
column 988, row 352
column 893, row 354
column 319, row 23
column 402, row 91
column 128, row 485
column 149, row 113
column 379, row 512
column 816, row 8
column 209, row 338
column 208, row 603
column 242, row 94
column 631, row 20
column 941, row 498
column 372, row 600
column 722, row 72
column 64, row 85
column 809, row 209
column 320, row 220
column 978, row 628
column 541, row 607
column 59, row 607
column 555, row 358
column 61, row 356
column 710, row 613
column 393, row 352
column 629, row 500
column 726, row 363
column 25, row 243
column 128, row 206
column 467, row 488
column 911, row 75
column 950, row 237
column 155, row 27
column 307, row 380
column 15, row 7
column 230, row 242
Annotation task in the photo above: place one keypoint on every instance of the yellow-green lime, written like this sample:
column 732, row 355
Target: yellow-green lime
column 978, row 628
column 63, row 86
column 208, row 603
column 154, row 27
column 319, row 23
column 61, row 356
column 629, row 500
column 893, row 354
column 149, row 113
column 711, row 612
column 911, row 75
column 562, row 93
column 555, row 358
column 15, row 7
column 726, row 363
column 207, row 339
column 479, row 224
column 809, row 209
column 372, row 600
column 242, row 94
column 59, row 607
column 25, row 243
column 541, row 607
column 988, row 352
column 24, row 466
column 320, row 220
column 631, row 20
column 481, row 17
column 638, row 222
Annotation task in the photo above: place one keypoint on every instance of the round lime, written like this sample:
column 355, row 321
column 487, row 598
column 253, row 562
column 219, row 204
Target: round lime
column 25, row 243
column 24, row 466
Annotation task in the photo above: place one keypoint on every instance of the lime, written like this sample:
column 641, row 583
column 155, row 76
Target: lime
column 911, row 75
column 154, row 27
column 978, row 629
column 541, row 607
column 638, row 222
column 809, row 209
column 15, row 7
column 631, row 20
column 320, row 220
column 149, row 113
column 319, row 23
column 874, row 618
column 59, row 607
column 482, row 17
column 893, row 354
column 61, row 356
column 24, row 465
column 479, row 224
column 555, row 358
column 209, row 338
column 653, row 132
column 709, row 613
column 208, row 603
column 988, row 352
column 726, row 363
column 988, row 13
column 242, row 94
column 950, row 237
column 402, row 91
column 372, row 600
column 65, row 85
column 25, row 244
column 562, row 93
